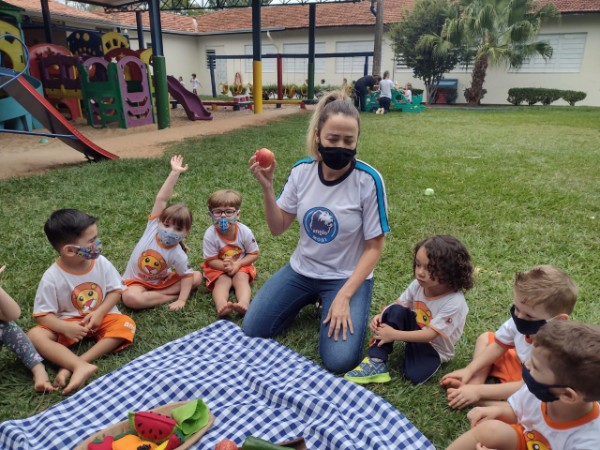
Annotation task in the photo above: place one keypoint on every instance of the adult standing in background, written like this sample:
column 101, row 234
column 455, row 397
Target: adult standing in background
column 361, row 89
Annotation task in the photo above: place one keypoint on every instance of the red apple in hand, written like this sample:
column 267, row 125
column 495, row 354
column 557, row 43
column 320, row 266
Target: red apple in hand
column 264, row 157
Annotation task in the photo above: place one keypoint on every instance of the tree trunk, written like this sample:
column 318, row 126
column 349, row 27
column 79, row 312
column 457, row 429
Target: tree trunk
column 378, row 41
column 475, row 92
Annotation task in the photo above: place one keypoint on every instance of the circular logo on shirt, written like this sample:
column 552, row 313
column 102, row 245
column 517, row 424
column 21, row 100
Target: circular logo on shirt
column 320, row 224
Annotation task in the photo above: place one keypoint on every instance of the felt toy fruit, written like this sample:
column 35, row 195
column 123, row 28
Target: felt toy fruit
column 264, row 157
column 174, row 441
column 252, row 443
column 131, row 441
column 226, row 444
column 152, row 426
column 104, row 444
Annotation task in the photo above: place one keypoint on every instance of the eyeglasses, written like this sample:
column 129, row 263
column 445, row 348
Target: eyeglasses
column 229, row 213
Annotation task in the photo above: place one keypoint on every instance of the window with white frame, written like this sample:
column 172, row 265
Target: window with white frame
column 401, row 63
column 300, row 65
column 269, row 65
column 353, row 64
column 567, row 54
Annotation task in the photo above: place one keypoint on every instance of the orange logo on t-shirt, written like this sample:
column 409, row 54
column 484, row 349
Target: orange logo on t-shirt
column 151, row 263
column 423, row 314
column 86, row 297
column 230, row 251
column 535, row 441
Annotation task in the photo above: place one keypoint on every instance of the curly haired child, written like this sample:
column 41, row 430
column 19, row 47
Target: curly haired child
column 429, row 316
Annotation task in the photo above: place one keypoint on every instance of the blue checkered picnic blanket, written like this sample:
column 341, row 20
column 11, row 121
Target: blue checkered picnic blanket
column 252, row 386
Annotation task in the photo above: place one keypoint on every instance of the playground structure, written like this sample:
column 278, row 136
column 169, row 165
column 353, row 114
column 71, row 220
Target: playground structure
column 192, row 104
column 399, row 102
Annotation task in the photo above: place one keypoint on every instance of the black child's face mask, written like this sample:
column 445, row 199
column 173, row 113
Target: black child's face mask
column 336, row 158
column 540, row 390
column 526, row 327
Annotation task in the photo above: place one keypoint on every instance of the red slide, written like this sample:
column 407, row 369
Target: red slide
column 193, row 106
column 23, row 92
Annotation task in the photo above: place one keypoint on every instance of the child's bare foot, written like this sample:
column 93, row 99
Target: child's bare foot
column 225, row 310
column 80, row 375
column 41, row 382
column 240, row 308
column 448, row 383
column 63, row 375
column 176, row 306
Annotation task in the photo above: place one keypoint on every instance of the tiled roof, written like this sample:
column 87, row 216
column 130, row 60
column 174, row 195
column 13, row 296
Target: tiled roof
column 575, row 6
column 169, row 21
column 60, row 10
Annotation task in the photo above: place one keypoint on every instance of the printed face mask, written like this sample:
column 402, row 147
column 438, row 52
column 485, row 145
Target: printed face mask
column 168, row 237
column 336, row 158
column 91, row 252
column 223, row 223
column 526, row 327
column 540, row 390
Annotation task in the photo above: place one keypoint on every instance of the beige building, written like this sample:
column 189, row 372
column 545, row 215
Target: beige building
column 346, row 27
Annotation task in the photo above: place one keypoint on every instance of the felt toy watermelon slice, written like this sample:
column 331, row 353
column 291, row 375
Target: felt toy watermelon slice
column 152, row 426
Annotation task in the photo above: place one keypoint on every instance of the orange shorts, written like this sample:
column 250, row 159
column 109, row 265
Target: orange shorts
column 507, row 368
column 117, row 326
column 169, row 280
column 211, row 274
column 521, row 439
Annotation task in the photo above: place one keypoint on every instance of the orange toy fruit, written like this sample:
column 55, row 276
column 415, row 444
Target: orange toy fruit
column 226, row 444
column 264, row 157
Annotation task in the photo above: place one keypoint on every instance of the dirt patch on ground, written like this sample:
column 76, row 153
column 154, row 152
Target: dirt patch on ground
column 22, row 155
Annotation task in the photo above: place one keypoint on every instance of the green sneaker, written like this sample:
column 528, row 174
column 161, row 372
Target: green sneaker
column 369, row 372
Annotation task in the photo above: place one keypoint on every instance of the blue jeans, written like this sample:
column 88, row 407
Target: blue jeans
column 282, row 297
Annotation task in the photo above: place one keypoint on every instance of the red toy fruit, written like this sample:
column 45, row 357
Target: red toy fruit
column 226, row 444
column 264, row 157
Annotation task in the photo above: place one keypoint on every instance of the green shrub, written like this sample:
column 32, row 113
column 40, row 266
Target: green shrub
column 571, row 97
column 516, row 96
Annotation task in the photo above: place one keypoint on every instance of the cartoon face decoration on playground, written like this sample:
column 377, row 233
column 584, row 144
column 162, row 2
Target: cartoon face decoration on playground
column 423, row 315
column 86, row 297
column 151, row 264
column 320, row 224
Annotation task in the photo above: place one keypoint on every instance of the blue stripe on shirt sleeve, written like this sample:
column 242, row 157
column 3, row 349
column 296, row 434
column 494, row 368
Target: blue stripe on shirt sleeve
column 380, row 192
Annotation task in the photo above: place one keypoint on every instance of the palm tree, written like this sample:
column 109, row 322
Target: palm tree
column 493, row 31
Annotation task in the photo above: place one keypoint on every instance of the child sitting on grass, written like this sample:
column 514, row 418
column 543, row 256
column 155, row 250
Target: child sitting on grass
column 558, row 406
column 541, row 294
column 230, row 251
column 77, row 298
column 149, row 275
column 15, row 339
column 429, row 316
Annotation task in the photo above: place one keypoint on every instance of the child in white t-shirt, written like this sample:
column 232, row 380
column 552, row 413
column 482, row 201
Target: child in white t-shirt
column 429, row 316
column 195, row 82
column 557, row 408
column 158, row 270
column 230, row 251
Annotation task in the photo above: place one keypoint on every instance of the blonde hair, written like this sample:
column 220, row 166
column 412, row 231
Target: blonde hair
column 573, row 355
column 224, row 197
column 335, row 102
column 547, row 286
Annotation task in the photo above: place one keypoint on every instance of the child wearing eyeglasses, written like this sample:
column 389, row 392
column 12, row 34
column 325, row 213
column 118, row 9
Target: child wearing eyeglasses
column 230, row 251
column 158, row 270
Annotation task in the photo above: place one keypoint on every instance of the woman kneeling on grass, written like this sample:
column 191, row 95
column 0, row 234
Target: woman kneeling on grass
column 340, row 203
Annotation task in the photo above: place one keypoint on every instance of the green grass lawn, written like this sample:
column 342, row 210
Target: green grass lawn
column 519, row 186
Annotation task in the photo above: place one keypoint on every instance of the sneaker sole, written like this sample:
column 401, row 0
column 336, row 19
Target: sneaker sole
column 379, row 378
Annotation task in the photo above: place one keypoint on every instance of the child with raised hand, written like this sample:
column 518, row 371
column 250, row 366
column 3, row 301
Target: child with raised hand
column 558, row 406
column 429, row 316
column 230, row 251
column 77, row 298
column 16, row 340
column 542, row 294
column 149, row 275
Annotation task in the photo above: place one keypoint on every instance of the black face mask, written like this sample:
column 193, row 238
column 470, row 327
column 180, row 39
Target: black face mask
column 526, row 327
column 540, row 390
column 336, row 158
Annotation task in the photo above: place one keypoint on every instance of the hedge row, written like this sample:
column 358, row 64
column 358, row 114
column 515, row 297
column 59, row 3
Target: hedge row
column 531, row 96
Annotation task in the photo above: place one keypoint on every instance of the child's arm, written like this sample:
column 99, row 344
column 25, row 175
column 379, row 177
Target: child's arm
column 491, row 353
column 233, row 267
column 503, row 412
column 165, row 192
column 94, row 319
column 385, row 334
column 72, row 330
column 9, row 309
column 468, row 394
column 184, row 293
